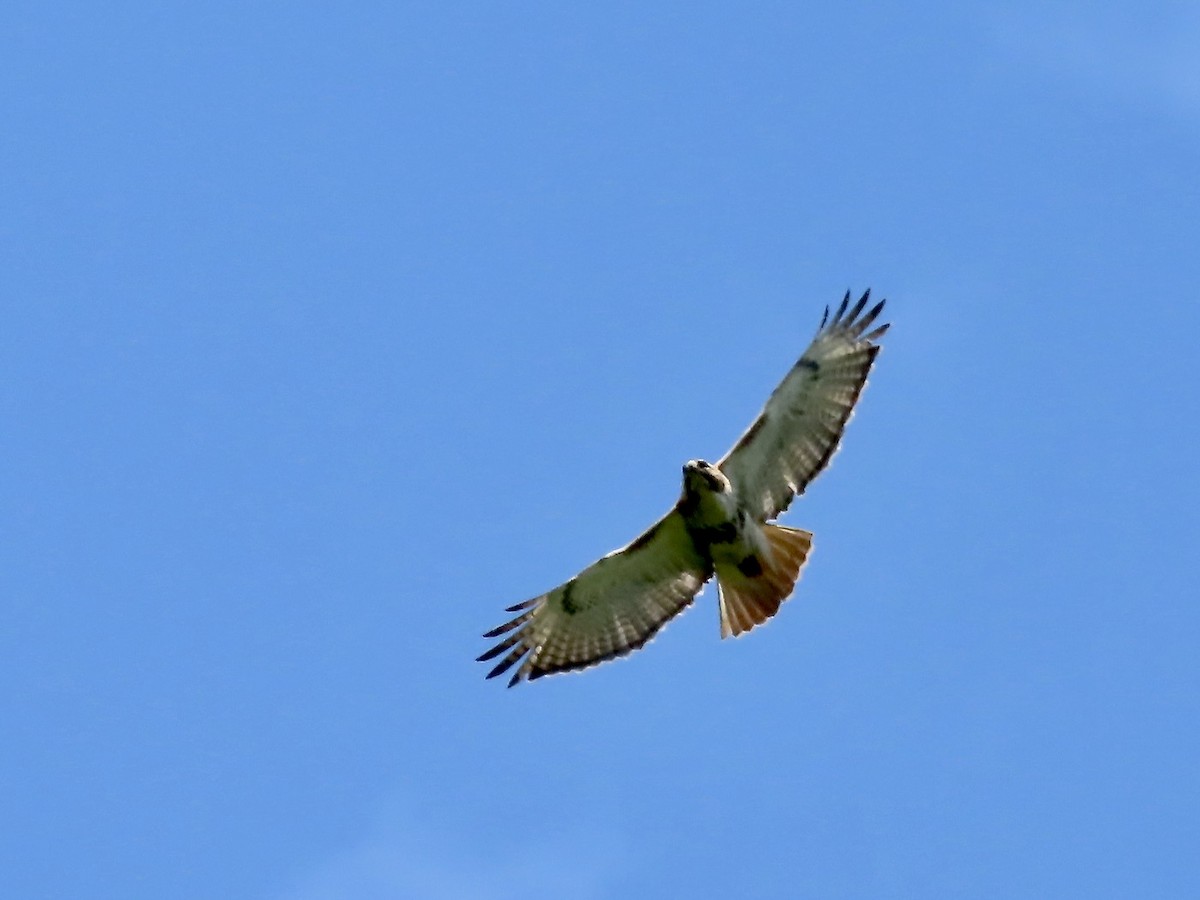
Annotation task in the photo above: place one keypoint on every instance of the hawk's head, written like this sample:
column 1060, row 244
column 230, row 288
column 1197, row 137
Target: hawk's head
column 700, row 475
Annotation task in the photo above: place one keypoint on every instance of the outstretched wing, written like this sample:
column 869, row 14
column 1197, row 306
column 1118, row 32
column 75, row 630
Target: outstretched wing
column 799, row 429
column 611, row 608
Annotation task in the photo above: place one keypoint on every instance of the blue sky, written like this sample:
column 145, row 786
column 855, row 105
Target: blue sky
column 328, row 333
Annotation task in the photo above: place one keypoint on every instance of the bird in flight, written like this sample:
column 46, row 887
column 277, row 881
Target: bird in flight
column 720, row 525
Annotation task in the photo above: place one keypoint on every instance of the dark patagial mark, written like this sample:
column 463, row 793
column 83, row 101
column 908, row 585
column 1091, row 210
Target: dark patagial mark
column 569, row 606
column 643, row 539
column 811, row 364
column 750, row 567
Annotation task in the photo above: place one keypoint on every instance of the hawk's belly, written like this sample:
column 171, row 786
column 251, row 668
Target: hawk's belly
column 724, row 532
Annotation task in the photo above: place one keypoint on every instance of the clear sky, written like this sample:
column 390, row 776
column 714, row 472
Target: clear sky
column 330, row 330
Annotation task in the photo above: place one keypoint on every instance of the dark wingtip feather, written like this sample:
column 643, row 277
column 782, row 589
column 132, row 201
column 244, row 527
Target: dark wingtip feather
column 878, row 332
column 841, row 309
column 858, row 307
column 824, row 318
column 510, row 625
column 499, row 648
column 507, row 663
column 865, row 322
column 517, row 607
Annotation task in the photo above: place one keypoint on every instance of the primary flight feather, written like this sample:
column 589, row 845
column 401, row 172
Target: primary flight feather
column 718, row 527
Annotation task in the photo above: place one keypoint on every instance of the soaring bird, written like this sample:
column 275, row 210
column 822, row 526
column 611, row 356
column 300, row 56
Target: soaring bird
column 720, row 524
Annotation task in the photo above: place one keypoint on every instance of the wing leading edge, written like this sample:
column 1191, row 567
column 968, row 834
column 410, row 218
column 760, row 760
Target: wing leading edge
column 801, row 426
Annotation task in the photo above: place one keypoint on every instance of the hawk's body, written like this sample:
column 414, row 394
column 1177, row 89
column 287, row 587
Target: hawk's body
column 719, row 525
column 756, row 564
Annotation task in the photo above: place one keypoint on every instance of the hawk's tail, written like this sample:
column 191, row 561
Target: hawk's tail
column 752, row 591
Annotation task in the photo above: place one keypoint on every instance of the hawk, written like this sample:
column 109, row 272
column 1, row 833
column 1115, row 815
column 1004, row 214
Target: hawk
column 720, row 525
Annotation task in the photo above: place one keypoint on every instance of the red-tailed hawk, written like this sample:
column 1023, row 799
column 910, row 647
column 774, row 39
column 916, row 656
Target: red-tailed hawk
column 719, row 526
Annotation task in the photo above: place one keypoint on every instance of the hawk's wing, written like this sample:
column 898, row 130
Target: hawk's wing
column 611, row 608
column 795, row 435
